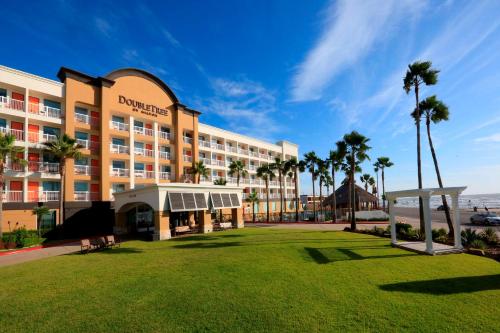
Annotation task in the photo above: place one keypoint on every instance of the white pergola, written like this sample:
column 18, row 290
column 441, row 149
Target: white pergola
column 426, row 193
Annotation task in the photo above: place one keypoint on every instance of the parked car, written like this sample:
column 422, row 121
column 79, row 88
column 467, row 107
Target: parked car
column 485, row 218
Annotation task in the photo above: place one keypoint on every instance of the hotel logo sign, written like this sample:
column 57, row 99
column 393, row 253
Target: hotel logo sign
column 147, row 109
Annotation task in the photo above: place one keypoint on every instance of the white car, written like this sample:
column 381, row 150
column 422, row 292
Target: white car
column 485, row 218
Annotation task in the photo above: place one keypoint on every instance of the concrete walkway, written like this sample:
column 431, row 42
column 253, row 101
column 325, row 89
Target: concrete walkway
column 26, row 255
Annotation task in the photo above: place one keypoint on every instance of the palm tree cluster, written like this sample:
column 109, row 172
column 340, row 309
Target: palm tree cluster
column 433, row 110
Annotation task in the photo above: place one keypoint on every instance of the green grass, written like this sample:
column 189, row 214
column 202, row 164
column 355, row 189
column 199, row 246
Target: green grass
column 268, row 280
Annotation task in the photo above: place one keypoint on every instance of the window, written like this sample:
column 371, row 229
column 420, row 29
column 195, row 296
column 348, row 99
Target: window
column 3, row 92
column 165, row 168
column 120, row 142
column 81, row 136
column 51, row 130
column 50, row 158
column 139, row 145
column 118, row 164
column 52, row 104
column 139, row 166
column 51, row 186
column 165, row 149
column 118, row 119
column 165, row 129
column 81, row 187
column 81, row 111
column 3, row 123
column 118, row 187
column 138, row 123
column 82, row 161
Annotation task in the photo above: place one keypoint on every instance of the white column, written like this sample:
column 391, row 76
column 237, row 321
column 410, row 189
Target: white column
column 428, row 222
column 132, row 153
column 456, row 221
column 156, row 153
column 26, row 143
column 392, row 220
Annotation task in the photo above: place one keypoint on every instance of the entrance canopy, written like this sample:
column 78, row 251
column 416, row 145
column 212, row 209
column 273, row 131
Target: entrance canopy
column 181, row 197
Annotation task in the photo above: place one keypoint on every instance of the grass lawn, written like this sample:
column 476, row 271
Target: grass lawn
column 255, row 279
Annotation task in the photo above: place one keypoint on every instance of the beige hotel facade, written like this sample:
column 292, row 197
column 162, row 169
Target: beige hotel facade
column 135, row 132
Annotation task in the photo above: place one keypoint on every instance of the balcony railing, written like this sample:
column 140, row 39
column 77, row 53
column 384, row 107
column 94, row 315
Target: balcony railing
column 205, row 161
column 85, row 119
column 144, row 174
column 118, row 149
column 44, row 110
column 11, row 104
column 164, row 135
column 18, row 134
column 143, row 152
column 187, row 158
column 252, row 167
column 217, row 146
column 243, row 151
column 143, row 130
column 43, row 196
column 187, row 139
column 253, row 153
column 43, row 167
column 264, row 156
column 231, row 149
column 86, row 170
column 12, row 196
column 119, row 172
column 205, row 144
column 218, row 162
column 165, row 155
column 165, row 175
column 119, row 126
column 84, row 143
column 86, row 196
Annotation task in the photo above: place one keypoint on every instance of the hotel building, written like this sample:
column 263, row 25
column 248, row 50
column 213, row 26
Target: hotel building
column 134, row 132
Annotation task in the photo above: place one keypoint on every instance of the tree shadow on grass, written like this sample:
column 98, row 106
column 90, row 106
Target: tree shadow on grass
column 332, row 254
column 206, row 245
column 467, row 284
column 117, row 250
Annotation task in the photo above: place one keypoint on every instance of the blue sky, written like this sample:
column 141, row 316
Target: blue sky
column 307, row 72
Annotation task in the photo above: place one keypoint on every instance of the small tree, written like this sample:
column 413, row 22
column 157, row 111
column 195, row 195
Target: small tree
column 282, row 168
column 336, row 158
column 8, row 150
column 384, row 162
column 295, row 167
column 310, row 162
column 265, row 173
column 237, row 168
column 40, row 211
column 198, row 170
column 253, row 199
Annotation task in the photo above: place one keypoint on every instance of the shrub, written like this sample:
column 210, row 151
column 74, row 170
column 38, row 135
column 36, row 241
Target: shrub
column 478, row 244
column 403, row 229
column 469, row 236
column 419, row 235
column 378, row 231
column 438, row 233
column 489, row 236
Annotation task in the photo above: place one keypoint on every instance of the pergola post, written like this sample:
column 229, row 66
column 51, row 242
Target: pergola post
column 392, row 220
column 427, row 221
column 456, row 221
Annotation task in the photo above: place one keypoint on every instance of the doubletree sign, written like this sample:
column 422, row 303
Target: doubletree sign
column 147, row 109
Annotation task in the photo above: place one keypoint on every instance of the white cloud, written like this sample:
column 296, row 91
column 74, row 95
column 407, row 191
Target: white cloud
column 491, row 138
column 103, row 26
column 476, row 128
column 351, row 28
column 170, row 38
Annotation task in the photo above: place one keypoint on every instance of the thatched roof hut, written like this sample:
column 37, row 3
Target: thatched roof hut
column 363, row 198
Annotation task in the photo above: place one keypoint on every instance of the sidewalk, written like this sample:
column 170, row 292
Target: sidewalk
column 25, row 255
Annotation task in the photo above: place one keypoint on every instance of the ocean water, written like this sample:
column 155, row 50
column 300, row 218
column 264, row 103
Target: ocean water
column 465, row 201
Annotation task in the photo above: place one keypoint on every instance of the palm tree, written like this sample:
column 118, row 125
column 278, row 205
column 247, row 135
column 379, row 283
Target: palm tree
column 220, row 181
column 199, row 169
column 417, row 74
column 321, row 174
column 265, row 173
column 8, row 151
column 336, row 158
column 371, row 182
column 376, row 168
column 295, row 167
column 282, row 168
column 237, row 168
column 384, row 162
column 253, row 199
column 365, row 179
column 357, row 147
column 311, row 160
column 435, row 111
column 64, row 148
column 328, row 181
column 40, row 211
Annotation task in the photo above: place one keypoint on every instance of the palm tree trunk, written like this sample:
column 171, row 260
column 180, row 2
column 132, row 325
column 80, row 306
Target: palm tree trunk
column 238, row 179
column 419, row 161
column 62, row 172
column 320, row 195
column 378, row 197
column 281, row 197
column 267, row 199
column 296, row 197
column 253, row 212
column 334, row 219
column 314, row 197
column 353, row 201
column 1, row 199
column 440, row 182
column 383, row 190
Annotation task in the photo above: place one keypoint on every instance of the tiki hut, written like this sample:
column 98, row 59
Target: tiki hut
column 364, row 199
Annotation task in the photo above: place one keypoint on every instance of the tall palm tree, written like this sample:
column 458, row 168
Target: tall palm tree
column 199, row 170
column 384, row 162
column 365, row 179
column 253, row 199
column 295, row 167
column 376, row 168
column 328, row 182
column 64, row 148
column 322, row 174
column 417, row 74
column 371, row 182
column 8, row 151
column 436, row 111
column 237, row 168
column 311, row 160
column 336, row 158
column 357, row 147
column 282, row 168
column 265, row 173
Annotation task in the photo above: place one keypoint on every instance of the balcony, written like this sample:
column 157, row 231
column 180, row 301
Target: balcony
column 165, row 155
column 218, row 162
column 204, row 144
column 86, row 170
column 40, row 137
column 231, row 149
column 187, row 158
column 43, row 167
column 243, row 151
column 143, row 131
column 217, row 146
column 18, row 134
column 264, row 156
column 44, row 110
column 144, row 174
column 119, row 172
column 187, row 140
column 253, row 154
column 12, row 196
column 143, row 152
column 43, row 196
column 165, row 175
column 9, row 104
column 118, row 149
column 252, row 167
column 165, row 135
column 119, row 126
column 86, row 196
column 85, row 119
column 205, row 161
